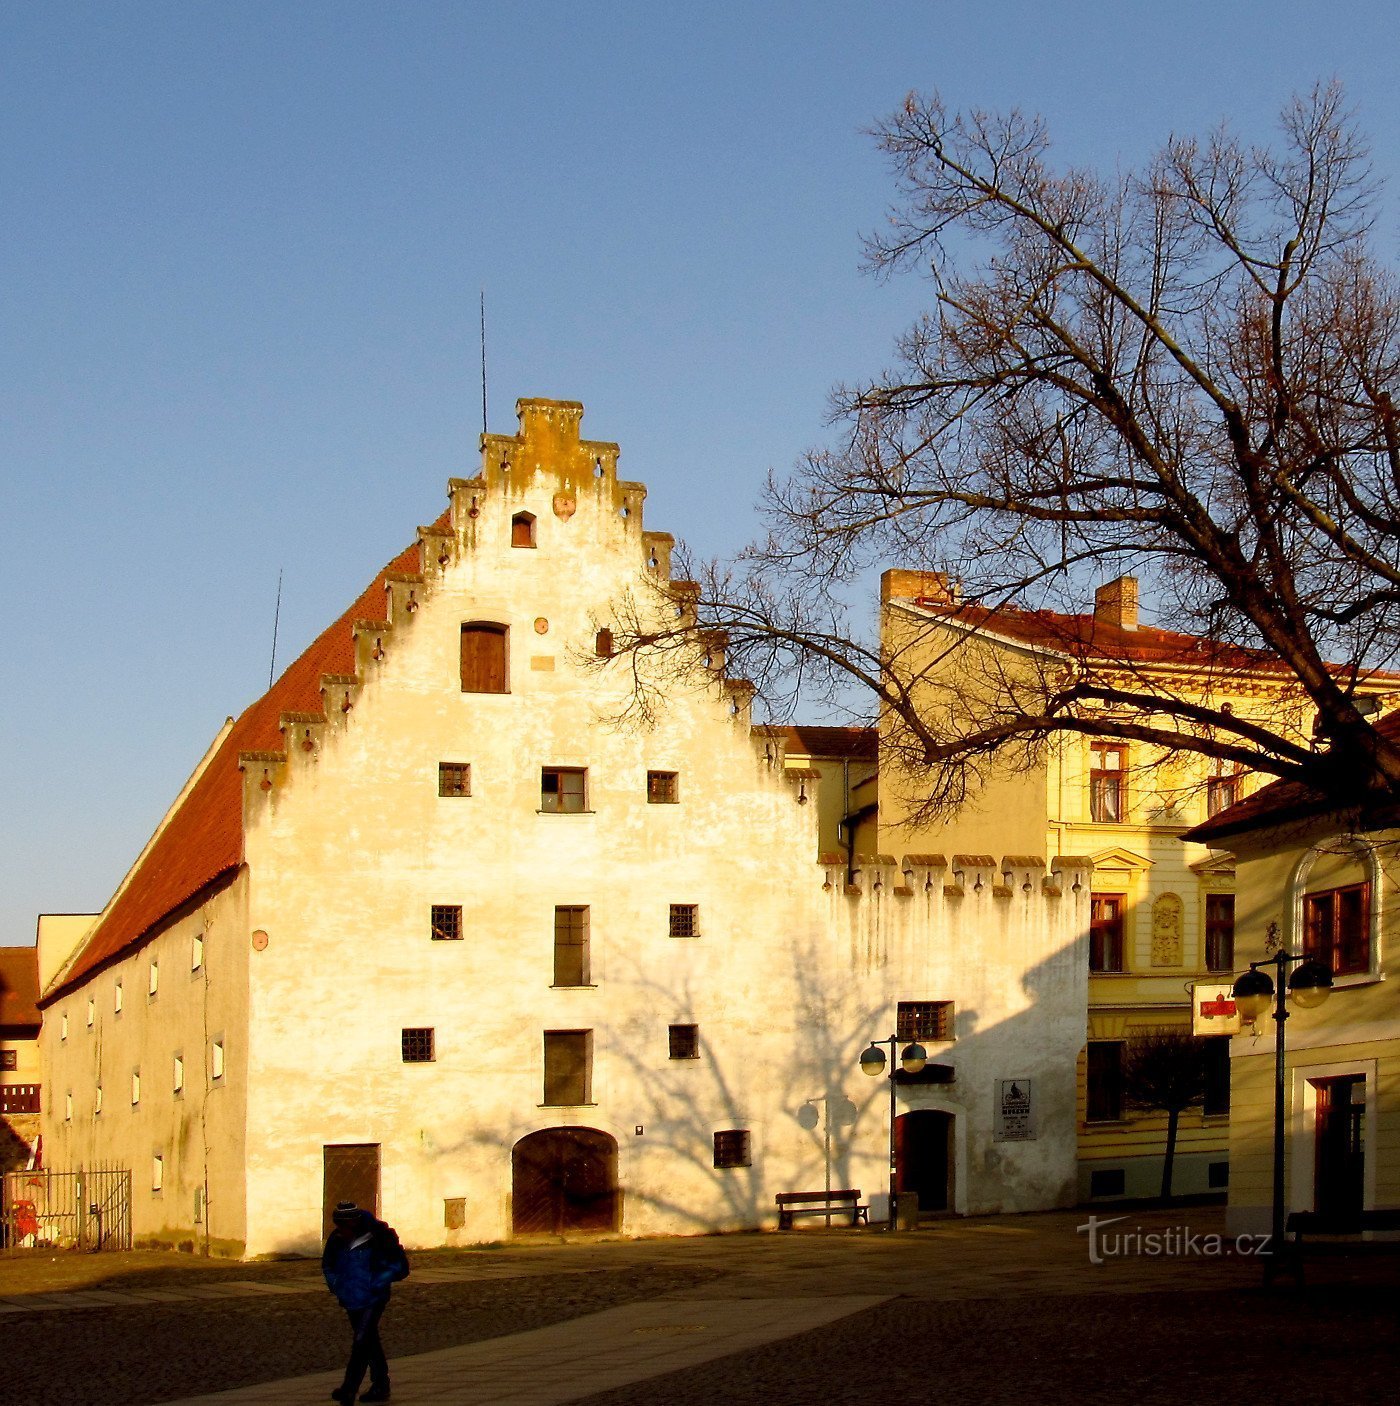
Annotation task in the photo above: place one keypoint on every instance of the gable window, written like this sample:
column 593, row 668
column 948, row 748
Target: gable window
column 568, row 1067
column 1337, row 928
column 1217, row 1099
column 571, row 946
column 1223, row 790
column 924, row 1020
column 417, row 1045
column 484, row 657
column 1107, row 783
column 454, row 779
column 522, row 530
column 732, row 1148
column 685, row 920
column 603, row 643
column 1106, row 932
column 563, row 790
column 447, row 922
column 1104, row 1082
column 663, row 788
column 1220, row 932
column 684, row 1041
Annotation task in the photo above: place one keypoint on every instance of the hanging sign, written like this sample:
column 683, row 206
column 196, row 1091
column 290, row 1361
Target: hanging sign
column 1213, row 1009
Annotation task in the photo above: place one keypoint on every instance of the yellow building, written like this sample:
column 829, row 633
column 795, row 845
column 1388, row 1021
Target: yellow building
column 19, row 1056
column 1316, row 881
column 1110, row 815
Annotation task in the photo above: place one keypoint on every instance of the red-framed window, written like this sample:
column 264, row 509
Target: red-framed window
column 1337, row 928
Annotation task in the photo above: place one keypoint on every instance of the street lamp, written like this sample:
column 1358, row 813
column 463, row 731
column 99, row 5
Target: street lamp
column 872, row 1062
column 1308, row 985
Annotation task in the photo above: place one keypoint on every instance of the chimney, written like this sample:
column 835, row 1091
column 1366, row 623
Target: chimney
column 931, row 586
column 1117, row 603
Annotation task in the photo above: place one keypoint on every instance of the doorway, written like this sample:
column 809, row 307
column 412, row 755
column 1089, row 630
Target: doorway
column 350, row 1172
column 1339, row 1149
column 923, row 1160
column 564, row 1179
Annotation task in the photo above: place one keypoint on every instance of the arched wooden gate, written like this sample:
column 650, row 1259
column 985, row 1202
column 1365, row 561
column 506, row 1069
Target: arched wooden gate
column 564, row 1179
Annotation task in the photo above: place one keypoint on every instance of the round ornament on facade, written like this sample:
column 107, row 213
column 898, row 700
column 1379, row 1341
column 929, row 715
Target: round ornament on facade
column 259, row 941
column 541, row 626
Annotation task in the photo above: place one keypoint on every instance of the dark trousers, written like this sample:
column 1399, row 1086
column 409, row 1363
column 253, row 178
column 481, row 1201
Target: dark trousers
column 366, row 1350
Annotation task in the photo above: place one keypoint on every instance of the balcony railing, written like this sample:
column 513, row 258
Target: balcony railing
column 19, row 1098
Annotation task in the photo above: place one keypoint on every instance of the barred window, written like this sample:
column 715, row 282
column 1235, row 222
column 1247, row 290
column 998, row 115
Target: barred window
column 571, row 946
column 732, row 1148
column 447, row 922
column 454, row 779
column 685, row 920
column 685, row 1041
column 417, row 1044
column 924, row 1020
column 662, row 788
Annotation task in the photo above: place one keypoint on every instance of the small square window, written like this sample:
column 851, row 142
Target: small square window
column 417, row 1044
column 216, row 1060
column 197, row 952
column 924, row 1020
column 732, row 1148
column 563, row 790
column 663, row 788
column 685, row 1041
column 447, row 922
column 522, row 530
column 454, row 779
column 685, row 920
column 9, row 1061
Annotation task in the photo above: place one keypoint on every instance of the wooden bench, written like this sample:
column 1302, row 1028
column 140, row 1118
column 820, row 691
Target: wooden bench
column 1340, row 1234
column 820, row 1203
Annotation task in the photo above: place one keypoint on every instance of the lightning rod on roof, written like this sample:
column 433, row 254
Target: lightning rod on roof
column 276, row 615
column 483, row 361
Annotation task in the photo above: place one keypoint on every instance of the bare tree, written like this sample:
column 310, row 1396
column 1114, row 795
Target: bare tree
column 1187, row 372
column 1165, row 1070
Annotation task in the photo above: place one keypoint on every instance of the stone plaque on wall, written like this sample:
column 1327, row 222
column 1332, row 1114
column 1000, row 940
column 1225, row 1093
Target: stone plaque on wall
column 1166, row 931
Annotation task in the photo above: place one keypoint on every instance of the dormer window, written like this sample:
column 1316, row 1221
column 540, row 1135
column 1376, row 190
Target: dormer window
column 522, row 530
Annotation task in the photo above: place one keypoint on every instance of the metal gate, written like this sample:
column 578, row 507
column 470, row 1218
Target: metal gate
column 89, row 1209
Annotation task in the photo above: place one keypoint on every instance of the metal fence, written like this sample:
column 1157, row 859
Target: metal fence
column 89, row 1209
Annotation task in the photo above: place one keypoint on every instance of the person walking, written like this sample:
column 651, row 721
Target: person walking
column 362, row 1260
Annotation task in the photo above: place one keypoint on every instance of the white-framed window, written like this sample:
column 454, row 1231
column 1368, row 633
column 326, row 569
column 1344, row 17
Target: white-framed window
column 197, row 952
column 216, row 1060
column 178, row 1082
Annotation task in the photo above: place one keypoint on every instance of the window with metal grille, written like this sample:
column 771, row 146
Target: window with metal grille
column 1107, row 782
column 484, row 657
column 662, row 788
column 563, row 789
column 732, row 1148
column 1104, row 1082
column 417, row 1044
column 447, row 922
column 685, row 920
column 924, row 1020
column 522, row 530
column 1220, row 932
column 1217, row 1059
column 1106, row 932
column 568, row 1067
column 685, row 1041
column 571, row 946
column 1337, row 928
column 454, row 779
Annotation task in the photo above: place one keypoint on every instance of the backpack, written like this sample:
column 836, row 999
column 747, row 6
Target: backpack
column 393, row 1253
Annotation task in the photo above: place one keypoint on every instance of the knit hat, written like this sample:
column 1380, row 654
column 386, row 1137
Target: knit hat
column 346, row 1213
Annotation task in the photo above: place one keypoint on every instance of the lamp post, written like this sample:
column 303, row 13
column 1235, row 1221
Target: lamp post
column 1308, row 985
column 872, row 1062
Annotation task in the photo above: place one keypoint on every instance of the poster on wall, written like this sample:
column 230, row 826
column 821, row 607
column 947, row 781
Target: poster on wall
column 1015, row 1111
column 1213, row 1009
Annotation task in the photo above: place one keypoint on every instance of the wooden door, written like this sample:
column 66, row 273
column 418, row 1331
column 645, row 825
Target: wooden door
column 1339, row 1153
column 483, row 658
column 350, row 1172
column 564, row 1179
column 922, row 1140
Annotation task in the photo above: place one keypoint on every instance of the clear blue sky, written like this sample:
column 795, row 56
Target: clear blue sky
column 242, row 245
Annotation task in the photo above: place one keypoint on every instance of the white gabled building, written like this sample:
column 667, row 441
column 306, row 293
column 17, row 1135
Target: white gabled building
column 425, row 929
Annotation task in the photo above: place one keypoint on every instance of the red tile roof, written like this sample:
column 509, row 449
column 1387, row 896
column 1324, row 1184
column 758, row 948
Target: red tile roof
column 201, row 845
column 853, row 743
column 1276, row 803
column 19, row 986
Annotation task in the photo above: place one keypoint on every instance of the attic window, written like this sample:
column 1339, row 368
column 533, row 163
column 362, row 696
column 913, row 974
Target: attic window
column 522, row 530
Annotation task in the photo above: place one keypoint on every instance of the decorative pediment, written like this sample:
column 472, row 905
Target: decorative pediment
column 1219, row 863
column 1116, row 857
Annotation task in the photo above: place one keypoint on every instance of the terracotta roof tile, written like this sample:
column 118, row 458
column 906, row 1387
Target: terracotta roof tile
column 201, row 845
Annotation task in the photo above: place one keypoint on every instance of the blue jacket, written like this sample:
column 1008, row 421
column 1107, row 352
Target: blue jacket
column 360, row 1270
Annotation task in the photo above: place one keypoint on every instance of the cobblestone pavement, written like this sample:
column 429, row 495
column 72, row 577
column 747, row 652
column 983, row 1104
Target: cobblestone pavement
column 999, row 1309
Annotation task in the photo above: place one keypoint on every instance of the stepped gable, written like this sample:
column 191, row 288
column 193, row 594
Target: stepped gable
column 200, row 846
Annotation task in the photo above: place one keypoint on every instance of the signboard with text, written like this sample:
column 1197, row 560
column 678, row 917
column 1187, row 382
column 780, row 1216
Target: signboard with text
column 1015, row 1111
column 1213, row 1009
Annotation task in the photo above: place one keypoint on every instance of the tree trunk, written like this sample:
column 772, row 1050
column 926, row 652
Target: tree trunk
column 1172, row 1118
